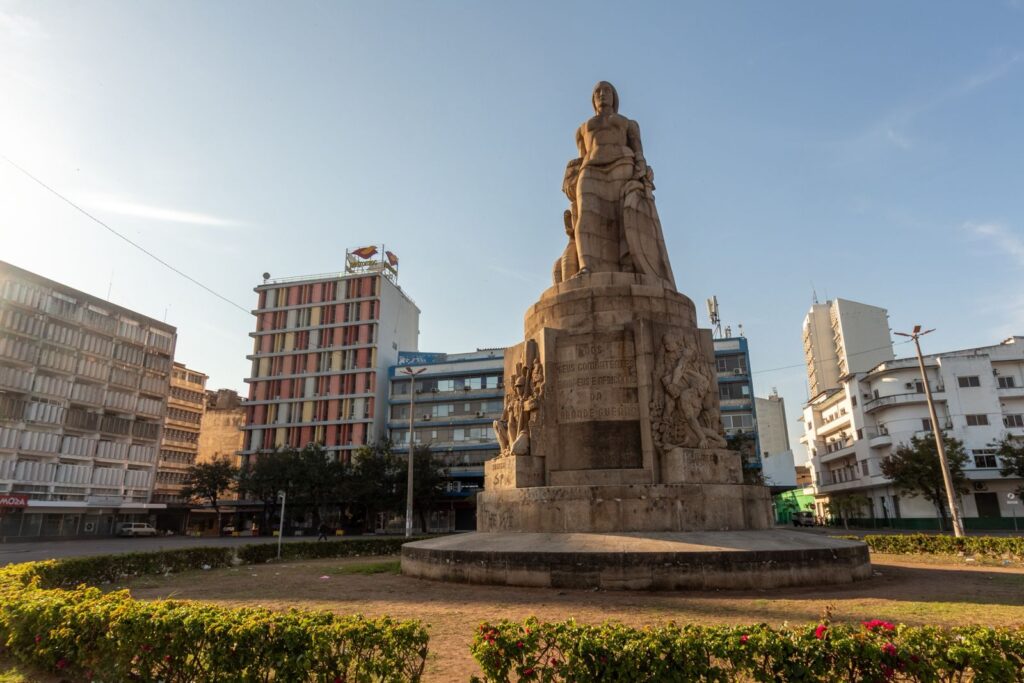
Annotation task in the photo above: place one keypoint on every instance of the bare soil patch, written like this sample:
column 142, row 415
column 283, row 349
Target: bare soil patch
column 902, row 590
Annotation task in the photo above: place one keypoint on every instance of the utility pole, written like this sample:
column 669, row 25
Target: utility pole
column 411, row 372
column 954, row 513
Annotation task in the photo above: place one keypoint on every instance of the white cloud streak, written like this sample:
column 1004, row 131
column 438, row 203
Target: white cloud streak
column 123, row 207
column 1002, row 237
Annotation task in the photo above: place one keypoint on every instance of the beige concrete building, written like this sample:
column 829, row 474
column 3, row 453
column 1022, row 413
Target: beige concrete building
column 221, row 433
column 185, row 406
column 841, row 337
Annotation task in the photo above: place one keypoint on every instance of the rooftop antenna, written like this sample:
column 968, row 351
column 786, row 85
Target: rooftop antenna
column 266, row 276
column 814, row 293
column 716, row 321
column 111, row 285
column 740, row 326
column 728, row 331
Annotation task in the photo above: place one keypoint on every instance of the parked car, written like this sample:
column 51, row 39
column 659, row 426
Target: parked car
column 136, row 529
column 803, row 518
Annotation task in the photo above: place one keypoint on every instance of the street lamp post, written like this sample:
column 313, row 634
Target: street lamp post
column 954, row 513
column 411, row 372
column 280, row 526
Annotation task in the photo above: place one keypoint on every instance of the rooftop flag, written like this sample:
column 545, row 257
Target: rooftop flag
column 392, row 259
column 365, row 252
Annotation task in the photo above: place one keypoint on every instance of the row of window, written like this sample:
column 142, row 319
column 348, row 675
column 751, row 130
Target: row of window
column 442, row 410
column 969, row 381
column 400, row 387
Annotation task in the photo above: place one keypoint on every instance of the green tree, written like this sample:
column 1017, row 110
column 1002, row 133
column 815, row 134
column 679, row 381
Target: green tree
column 847, row 506
column 1011, row 451
column 208, row 481
column 372, row 485
column 915, row 470
column 429, row 479
column 262, row 478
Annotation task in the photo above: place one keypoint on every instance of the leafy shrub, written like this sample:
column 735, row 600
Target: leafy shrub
column 90, row 635
column 873, row 651
column 927, row 544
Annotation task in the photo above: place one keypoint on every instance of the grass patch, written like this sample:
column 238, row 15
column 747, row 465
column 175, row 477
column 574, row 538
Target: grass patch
column 368, row 568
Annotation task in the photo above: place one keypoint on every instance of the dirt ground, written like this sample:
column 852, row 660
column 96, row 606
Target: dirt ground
column 902, row 590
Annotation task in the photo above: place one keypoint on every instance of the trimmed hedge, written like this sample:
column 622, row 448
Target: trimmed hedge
column 87, row 634
column 356, row 547
column 1011, row 547
column 873, row 651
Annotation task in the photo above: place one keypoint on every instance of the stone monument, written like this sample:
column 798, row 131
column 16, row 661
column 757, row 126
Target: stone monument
column 613, row 468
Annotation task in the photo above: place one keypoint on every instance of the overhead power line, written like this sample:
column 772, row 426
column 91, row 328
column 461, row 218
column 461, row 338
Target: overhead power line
column 123, row 237
column 800, row 365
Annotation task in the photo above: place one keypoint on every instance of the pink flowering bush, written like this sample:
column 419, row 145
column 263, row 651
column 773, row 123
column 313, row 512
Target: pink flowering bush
column 875, row 650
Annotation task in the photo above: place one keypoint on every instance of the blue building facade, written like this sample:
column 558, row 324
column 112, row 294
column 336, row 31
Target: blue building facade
column 736, row 398
column 457, row 397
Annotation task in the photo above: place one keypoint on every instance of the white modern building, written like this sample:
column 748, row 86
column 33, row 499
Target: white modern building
column 773, row 440
column 849, row 430
column 842, row 337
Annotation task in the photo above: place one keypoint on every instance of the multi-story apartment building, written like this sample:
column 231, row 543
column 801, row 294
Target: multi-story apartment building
column 179, row 446
column 736, row 397
column 323, row 345
column 841, row 337
column 457, row 398
column 850, row 430
column 83, row 394
column 773, row 440
column 221, row 432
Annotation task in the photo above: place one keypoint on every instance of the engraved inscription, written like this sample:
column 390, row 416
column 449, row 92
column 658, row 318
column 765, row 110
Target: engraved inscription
column 597, row 380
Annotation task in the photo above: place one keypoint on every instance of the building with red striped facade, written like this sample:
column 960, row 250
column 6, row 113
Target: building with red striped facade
column 323, row 346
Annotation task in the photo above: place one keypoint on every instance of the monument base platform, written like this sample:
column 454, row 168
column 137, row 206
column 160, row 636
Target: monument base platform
column 629, row 508
column 640, row 561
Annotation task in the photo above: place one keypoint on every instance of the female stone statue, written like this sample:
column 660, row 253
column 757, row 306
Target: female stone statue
column 616, row 224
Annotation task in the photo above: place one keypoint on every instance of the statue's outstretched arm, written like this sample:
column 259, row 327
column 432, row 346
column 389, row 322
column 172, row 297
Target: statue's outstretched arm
column 581, row 145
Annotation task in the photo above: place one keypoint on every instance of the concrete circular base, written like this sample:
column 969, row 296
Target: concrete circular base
column 641, row 560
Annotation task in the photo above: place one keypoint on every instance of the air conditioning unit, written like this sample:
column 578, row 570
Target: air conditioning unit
column 481, row 413
column 909, row 385
column 737, row 371
column 426, row 417
column 867, row 396
column 980, row 486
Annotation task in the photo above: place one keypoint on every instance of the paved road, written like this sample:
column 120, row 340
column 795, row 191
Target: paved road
column 46, row 550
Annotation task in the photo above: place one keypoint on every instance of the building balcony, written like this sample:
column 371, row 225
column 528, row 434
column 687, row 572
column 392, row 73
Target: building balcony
column 1011, row 392
column 898, row 400
column 838, row 454
column 880, row 441
column 843, row 487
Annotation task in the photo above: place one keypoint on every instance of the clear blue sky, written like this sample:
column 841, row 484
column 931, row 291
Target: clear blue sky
column 872, row 150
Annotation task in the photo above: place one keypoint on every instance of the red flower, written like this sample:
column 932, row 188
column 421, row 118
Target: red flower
column 876, row 625
column 520, row 645
column 39, row 638
column 167, row 658
column 744, row 638
column 337, row 679
column 819, row 632
column 527, row 672
column 889, row 649
column 147, row 648
column 62, row 663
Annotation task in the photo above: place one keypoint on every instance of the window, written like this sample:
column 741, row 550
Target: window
column 1006, row 382
column 969, row 381
column 853, row 400
column 985, row 461
column 1013, row 420
column 977, row 420
column 733, row 390
column 864, row 467
column 730, row 364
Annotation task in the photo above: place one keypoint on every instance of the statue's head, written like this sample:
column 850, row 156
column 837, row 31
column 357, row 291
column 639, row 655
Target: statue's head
column 605, row 96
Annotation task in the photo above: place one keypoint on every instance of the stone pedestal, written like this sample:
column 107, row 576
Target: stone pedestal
column 600, row 420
